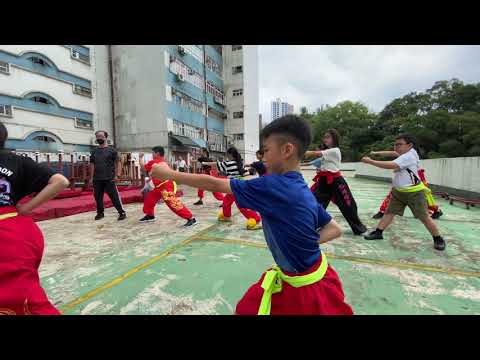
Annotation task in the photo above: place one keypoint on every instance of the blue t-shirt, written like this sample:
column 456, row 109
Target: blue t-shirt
column 290, row 214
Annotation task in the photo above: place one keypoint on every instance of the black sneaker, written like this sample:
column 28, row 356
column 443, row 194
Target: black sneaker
column 99, row 216
column 190, row 222
column 439, row 244
column 363, row 229
column 122, row 216
column 147, row 218
column 437, row 214
column 199, row 202
column 378, row 215
column 374, row 235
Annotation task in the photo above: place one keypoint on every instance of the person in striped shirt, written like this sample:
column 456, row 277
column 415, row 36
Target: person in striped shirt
column 233, row 168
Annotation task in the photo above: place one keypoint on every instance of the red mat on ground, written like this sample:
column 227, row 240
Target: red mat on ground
column 79, row 204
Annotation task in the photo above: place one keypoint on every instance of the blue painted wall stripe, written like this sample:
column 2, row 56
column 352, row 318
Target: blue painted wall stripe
column 52, row 70
column 53, row 109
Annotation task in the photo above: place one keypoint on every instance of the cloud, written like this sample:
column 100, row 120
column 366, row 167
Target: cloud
column 315, row 75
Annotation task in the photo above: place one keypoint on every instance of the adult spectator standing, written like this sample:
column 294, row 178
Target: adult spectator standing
column 182, row 165
column 105, row 166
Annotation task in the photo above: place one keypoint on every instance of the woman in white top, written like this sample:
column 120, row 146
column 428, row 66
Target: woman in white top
column 329, row 184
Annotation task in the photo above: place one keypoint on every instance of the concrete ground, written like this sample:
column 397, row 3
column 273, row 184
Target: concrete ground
column 110, row 267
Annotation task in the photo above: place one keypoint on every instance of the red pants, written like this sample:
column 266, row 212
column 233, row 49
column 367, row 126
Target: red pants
column 386, row 201
column 167, row 193
column 321, row 298
column 228, row 200
column 21, row 251
column 217, row 195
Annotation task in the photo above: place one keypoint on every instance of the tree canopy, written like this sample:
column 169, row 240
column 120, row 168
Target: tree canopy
column 445, row 119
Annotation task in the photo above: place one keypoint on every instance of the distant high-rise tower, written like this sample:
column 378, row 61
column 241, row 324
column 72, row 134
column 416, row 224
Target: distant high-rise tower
column 280, row 109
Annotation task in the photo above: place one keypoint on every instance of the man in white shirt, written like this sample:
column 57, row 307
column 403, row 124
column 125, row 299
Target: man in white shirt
column 182, row 165
column 408, row 190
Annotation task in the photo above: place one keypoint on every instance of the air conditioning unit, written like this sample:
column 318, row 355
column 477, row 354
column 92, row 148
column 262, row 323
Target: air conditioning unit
column 181, row 50
column 75, row 54
column 218, row 100
column 180, row 77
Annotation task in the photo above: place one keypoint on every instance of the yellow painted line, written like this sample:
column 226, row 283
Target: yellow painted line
column 121, row 278
column 396, row 264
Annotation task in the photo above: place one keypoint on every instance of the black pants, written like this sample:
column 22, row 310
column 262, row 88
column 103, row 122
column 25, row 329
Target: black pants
column 343, row 198
column 106, row 186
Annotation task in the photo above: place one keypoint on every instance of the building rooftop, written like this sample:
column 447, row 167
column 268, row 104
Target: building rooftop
column 107, row 267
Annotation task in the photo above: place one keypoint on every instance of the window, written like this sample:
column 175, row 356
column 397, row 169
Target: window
column 37, row 60
column 186, row 101
column 182, row 129
column 190, row 75
column 238, row 114
column 216, row 141
column 83, row 124
column 214, row 114
column 237, row 137
column 81, row 90
column 218, row 95
column 79, row 56
column 6, row 110
column 40, row 99
column 47, row 139
column 238, row 92
column 237, row 70
column 236, row 47
column 4, row 67
column 213, row 66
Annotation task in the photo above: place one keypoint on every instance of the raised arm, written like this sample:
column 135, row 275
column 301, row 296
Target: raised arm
column 163, row 172
column 388, row 153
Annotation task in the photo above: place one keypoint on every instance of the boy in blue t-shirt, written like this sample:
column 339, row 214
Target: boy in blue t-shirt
column 293, row 223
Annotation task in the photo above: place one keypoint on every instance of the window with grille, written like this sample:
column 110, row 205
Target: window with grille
column 83, row 124
column 189, row 74
column 186, row 101
column 238, row 92
column 216, row 92
column 237, row 69
column 6, row 110
column 47, row 139
column 81, row 90
column 182, row 129
column 238, row 137
column 238, row 114
column 236, row 47
column 213, row 66
column 4, row 67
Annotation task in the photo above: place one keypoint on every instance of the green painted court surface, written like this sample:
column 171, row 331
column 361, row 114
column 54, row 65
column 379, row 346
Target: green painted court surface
column 110, row 267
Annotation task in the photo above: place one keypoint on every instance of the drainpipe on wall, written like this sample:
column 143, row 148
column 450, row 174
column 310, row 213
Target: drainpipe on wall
column 110, row 69
column 205, row 93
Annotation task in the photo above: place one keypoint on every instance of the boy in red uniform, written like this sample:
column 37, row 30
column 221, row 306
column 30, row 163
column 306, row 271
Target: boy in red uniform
column 21, row 241
column 293, row 223
column 165, row 190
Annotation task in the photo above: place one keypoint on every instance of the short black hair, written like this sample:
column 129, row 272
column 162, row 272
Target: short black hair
column 259, row 152
column 102, row 131
column 409, row 139
column 295, row 130
column 159, row 150
column 3, row 135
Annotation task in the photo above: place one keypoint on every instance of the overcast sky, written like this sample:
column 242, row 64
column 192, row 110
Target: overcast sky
column 313, row 75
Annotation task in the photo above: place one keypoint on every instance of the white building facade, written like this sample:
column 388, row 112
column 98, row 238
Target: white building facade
column 53, row 97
